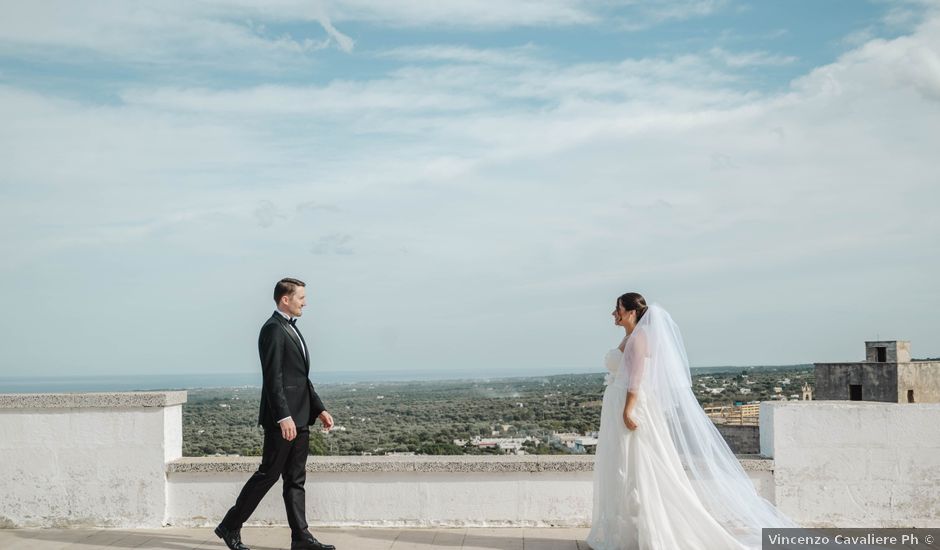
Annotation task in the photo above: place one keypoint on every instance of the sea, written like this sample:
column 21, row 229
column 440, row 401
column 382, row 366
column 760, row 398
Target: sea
column 144, row 382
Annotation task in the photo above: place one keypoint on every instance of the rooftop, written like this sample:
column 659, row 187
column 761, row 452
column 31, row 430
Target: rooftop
column 271, row 538
column 110, row 468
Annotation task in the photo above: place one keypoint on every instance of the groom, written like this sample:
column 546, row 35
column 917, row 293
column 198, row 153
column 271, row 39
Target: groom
column 289, row 405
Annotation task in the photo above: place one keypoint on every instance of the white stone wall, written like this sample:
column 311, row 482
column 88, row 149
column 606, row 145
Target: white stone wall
column 114, row 460
column 397, row 499
column 87, row 459
column 855, row 463
column 416, row 492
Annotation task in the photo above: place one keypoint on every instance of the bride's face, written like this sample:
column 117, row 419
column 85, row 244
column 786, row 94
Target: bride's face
column 622, row 317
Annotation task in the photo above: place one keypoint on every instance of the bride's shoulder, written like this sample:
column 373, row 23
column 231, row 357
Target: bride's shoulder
column 638, row 336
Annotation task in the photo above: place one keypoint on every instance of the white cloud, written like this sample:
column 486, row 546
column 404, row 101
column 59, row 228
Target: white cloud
column 501, row 184
column 202, row 33
column 239, row 33
column 643, row 15
column 336, row 99
column 467, row 13
column 334, row 243
column 464, row 54
column 907, row 62
column 750, row 59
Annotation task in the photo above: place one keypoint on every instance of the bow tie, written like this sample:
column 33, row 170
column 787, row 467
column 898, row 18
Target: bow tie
column 293, row 322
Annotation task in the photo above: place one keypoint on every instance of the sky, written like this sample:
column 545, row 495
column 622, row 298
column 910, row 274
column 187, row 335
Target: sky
column 464, row 184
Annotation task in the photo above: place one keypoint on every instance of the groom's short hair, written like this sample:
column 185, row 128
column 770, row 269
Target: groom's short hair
column 286, row 287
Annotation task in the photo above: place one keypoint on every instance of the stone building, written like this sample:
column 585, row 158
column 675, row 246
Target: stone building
column 887, row 374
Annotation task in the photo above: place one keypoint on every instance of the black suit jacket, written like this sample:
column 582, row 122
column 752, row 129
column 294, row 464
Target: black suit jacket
column 286, row 390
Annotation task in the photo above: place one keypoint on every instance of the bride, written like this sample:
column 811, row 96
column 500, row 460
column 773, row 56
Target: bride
column 664, row 478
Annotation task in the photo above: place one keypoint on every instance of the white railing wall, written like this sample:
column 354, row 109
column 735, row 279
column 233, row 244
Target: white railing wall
column 114, row 459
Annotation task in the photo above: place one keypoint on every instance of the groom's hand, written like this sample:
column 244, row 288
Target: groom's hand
column 327, row 420
column 288, row 429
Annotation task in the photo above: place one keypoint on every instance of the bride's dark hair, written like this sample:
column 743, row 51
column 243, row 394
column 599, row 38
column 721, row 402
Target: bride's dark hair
column 632, row 301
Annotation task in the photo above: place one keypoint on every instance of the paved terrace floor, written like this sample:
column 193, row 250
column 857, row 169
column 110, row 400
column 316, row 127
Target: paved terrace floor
column 277, row 538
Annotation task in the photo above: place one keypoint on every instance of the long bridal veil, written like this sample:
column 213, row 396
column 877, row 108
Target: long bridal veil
column 718, row 478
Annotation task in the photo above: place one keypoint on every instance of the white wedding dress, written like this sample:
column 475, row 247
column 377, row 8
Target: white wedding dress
column 644, row 495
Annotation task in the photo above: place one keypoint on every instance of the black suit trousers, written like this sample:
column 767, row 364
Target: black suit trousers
column 279, row 458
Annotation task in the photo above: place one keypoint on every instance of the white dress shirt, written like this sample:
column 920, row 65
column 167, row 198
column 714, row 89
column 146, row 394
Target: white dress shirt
column 293, row 328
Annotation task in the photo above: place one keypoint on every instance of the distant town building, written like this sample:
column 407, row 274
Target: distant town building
column 750, row 410
column 585, row 445
column 575, row 442
column 888, row 374
column 565, row 438
column 746, row 413
column 508, row 445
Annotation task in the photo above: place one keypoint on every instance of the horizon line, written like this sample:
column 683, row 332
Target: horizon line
column 458, row 374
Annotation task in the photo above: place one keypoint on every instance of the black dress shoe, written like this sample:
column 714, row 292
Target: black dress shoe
column 232, row 539
column 309, row 542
